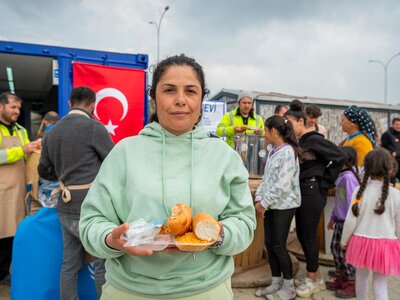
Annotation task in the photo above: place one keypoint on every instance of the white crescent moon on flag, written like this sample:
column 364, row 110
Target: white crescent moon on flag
column 114, row 93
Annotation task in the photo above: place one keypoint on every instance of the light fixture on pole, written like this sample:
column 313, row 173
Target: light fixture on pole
column 158, row 26
column 385, row 68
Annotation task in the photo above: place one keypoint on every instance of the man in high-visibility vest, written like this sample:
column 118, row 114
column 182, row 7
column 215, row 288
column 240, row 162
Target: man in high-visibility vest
column 14, row 146
column 241, row 120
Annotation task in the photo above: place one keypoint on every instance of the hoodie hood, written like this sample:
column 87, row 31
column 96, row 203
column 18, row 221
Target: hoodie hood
column 169, row 140
column 155, row 130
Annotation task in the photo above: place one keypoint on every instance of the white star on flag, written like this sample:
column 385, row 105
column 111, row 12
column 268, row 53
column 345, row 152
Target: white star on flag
column 110, row 127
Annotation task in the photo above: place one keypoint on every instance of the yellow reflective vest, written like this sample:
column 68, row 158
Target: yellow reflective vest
column 13, row 154
column 226, row 128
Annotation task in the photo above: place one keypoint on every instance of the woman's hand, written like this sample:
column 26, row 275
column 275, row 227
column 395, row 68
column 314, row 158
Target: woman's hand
column 239, row 129
column 343, row 246
column 260, row 210
column 114, row 241
column 259, row 131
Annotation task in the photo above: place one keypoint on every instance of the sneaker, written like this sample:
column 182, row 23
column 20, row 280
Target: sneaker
column 275, row 286
column 308, row 288
column 335, row 284
column 299, row 282
column 348, row 290
column 282, row 295
column 321, row 283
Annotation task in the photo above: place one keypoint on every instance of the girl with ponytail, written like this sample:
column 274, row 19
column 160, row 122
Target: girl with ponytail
column 320, row 164
column 277, row 198
column 371, row 231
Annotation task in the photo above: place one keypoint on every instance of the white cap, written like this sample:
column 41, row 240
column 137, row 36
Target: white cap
column 244, row 94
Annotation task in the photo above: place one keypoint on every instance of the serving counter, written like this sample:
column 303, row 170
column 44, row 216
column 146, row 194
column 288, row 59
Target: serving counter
column 254, row 254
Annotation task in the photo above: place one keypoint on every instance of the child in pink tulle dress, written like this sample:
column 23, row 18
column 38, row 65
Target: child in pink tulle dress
column 371, row 231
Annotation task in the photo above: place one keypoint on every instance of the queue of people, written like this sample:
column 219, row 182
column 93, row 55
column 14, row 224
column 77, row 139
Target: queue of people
column 324, row 166
column 103, row 188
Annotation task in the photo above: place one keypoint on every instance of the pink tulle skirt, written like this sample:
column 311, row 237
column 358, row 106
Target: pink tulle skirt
column 377, row 255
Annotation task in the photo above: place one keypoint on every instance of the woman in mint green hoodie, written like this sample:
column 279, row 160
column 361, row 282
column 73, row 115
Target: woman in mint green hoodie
column 170, row 161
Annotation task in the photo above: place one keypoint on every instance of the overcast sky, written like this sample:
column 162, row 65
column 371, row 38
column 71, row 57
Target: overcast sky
column 316, row 48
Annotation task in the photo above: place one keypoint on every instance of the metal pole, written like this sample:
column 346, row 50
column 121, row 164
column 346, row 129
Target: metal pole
column 158, row 26
column 385, row 68
column 158, row 43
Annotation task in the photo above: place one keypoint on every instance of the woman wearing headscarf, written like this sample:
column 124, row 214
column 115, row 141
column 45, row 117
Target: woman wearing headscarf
column 360, row 127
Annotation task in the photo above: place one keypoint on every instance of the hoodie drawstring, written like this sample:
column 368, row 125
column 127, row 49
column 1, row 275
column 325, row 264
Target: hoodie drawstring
column 191, row 170
column 164, row 184
column 164, row 187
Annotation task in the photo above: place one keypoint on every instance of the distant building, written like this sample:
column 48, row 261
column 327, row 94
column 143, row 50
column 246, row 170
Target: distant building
column 332, row 109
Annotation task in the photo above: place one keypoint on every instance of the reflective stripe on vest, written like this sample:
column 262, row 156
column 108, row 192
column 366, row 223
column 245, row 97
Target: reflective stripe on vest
column 3, row 156
column 22, row 135
column 232, row 118
column 257, row 120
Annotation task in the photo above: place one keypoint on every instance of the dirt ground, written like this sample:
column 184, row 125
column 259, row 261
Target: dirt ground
column 248, row 294
column 393, row 287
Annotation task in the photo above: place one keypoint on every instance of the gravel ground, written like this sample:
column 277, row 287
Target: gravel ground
column 248, row 294
column 393, row 287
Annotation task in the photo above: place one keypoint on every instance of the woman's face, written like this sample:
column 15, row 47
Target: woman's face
column 178, row 99
column 270, row 135
column 348, row 126
column 297, row 124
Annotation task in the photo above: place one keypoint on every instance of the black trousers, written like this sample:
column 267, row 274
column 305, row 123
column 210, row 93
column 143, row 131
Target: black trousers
column 5, row 256
column 276, row 228
column 313, row 201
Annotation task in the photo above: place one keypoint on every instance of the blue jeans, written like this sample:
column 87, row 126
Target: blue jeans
column 73, row 259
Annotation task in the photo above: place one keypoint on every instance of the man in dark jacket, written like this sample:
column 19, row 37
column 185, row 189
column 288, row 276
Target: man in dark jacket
column 391, row 141
column 72, row 153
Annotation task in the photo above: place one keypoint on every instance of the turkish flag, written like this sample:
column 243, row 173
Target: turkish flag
column 120, row 96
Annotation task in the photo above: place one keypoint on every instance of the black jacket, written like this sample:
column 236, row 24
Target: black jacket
column 391, row 141
column 320, row 158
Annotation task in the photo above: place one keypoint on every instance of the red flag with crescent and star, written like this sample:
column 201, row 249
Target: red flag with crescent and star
column 120, row 96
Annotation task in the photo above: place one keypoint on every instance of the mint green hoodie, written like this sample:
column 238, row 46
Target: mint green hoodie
column 143, row 177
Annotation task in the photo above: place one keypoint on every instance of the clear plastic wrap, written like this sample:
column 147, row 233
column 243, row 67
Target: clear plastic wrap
column 147, row 236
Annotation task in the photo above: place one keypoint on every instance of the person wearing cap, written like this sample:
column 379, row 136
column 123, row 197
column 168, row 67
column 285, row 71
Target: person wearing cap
column 360, row 127
column 241, row 120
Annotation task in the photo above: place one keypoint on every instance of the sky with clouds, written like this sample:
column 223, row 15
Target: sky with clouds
column 318, row 48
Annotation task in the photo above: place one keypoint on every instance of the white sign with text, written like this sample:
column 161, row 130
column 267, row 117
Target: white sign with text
column 213, row 111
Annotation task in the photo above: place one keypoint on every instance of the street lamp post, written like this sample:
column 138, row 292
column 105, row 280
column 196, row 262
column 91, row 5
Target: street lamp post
column 385, row 68
column 158, row 26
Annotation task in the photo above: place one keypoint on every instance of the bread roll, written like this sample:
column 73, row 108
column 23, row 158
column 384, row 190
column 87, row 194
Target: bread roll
column 181, row 219
column 205, row 227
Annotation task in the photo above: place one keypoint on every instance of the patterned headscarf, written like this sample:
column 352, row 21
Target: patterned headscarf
column 362, row 118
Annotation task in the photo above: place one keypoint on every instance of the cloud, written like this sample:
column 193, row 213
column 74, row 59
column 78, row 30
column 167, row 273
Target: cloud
column 307, row 47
